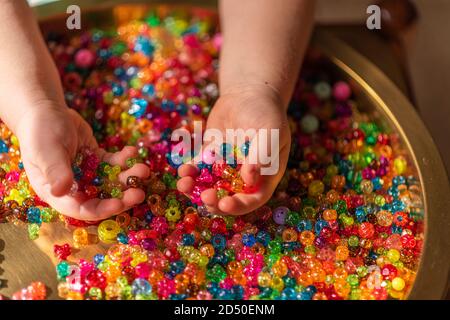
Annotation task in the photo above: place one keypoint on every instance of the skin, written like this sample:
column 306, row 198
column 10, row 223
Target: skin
column 264, row 43
column 32, row 105
column 263, row 46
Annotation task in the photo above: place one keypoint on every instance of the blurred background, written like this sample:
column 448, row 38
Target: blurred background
column 412, row 48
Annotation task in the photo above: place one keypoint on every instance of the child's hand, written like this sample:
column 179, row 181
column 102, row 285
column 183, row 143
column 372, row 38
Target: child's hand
column 256, row 107
column 50, row 136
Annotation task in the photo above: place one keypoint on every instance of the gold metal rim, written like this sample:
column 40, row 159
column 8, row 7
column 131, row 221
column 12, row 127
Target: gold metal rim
column 432, row 275
column 431, row 279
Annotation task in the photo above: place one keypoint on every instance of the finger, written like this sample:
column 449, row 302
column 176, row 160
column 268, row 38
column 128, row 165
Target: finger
column 242, row 203
column 186, row 185
column 250, row 174
column 209, row 198
column 96, row 209
column 120, row 158
column 188, row 170
column 139, row 170
column 132, row 197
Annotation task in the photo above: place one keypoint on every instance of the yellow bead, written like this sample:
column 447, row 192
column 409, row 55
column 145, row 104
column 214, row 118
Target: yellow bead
column 264, row 279
column 80, row 237
column 400, row 165
column 393, row 255
column 315, row 188
column 398, row 284
column 108, row 231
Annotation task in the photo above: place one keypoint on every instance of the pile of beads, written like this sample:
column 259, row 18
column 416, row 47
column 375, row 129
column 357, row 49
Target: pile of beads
column 222, row 175
column 95, row 179
column 346, row 220
column 35, row 291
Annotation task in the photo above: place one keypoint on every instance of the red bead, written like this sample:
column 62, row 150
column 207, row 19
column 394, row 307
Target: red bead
column 62, row 252
column 218, row 225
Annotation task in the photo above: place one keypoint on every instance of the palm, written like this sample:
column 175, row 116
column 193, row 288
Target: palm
column 58, row 135
column 243, row 112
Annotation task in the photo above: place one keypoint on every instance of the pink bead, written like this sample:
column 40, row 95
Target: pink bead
column 13, row 176
column 204, row 177
column 209, row 156
column 142, row 270
column 217, row 41
column 84, row 58
column 342, row 91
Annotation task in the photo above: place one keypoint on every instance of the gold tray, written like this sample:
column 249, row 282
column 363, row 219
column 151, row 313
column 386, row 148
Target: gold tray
column 23, row 261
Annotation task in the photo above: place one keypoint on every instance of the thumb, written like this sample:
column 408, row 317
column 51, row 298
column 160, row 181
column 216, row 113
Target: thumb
column 56, row 169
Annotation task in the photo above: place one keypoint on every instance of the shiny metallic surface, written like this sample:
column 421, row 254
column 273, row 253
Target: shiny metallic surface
column 23, row 261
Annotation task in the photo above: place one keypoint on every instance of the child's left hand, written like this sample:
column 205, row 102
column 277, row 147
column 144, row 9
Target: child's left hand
column 50, row 136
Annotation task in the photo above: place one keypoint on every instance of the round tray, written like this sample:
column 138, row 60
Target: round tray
column 378, row 96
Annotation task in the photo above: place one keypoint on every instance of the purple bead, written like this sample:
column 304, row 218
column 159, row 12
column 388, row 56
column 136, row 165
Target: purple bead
column 148, row 244
column 279, row 215
column 196, row 109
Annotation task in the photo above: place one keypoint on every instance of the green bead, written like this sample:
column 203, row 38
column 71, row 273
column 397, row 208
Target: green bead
column 292, row 218
column 274, row 246
column 216, row 273
column 362, row 271
column 355, row 294
column 95, row 293
column 116, row 193
column 62, row 270
column 33, row 231
column 353, row 280
column 309, row 212
column 143, row 152
column 118, row 48
column 353, row 241
column 130, row 162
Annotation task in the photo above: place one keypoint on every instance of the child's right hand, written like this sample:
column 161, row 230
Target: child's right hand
column 50, row 135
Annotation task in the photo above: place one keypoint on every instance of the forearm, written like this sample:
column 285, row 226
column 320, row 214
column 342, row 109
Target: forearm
column 29, row 76
column 263, row 45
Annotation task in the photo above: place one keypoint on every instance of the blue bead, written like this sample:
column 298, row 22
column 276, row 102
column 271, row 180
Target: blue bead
column 122, row 238
column 182, row 109
column 245, row 148
column 360, row 214
column 98, row 258
column 219, row 242
column 377, row 183
column 141, row 286
column 34, row 215
column 226, row 149
column 117, row 90
column 20, row 165
column 138, row 107
column 167, row 105
column 288, row 294
column 398, row 180
column 188, row 240
column 320, row 224
column 148, row 90
column 97, row 181
column 263, row 237
column 248, row 240
column 144, row 45
column 304, row 225
column 148, row 217
column 177, row 266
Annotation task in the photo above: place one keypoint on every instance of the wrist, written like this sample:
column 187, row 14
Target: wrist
column 30, row 113
column 258, row 89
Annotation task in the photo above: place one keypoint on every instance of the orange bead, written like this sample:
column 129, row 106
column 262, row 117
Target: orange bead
column 329, row 214
column 307, row 238
column 342, row 253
